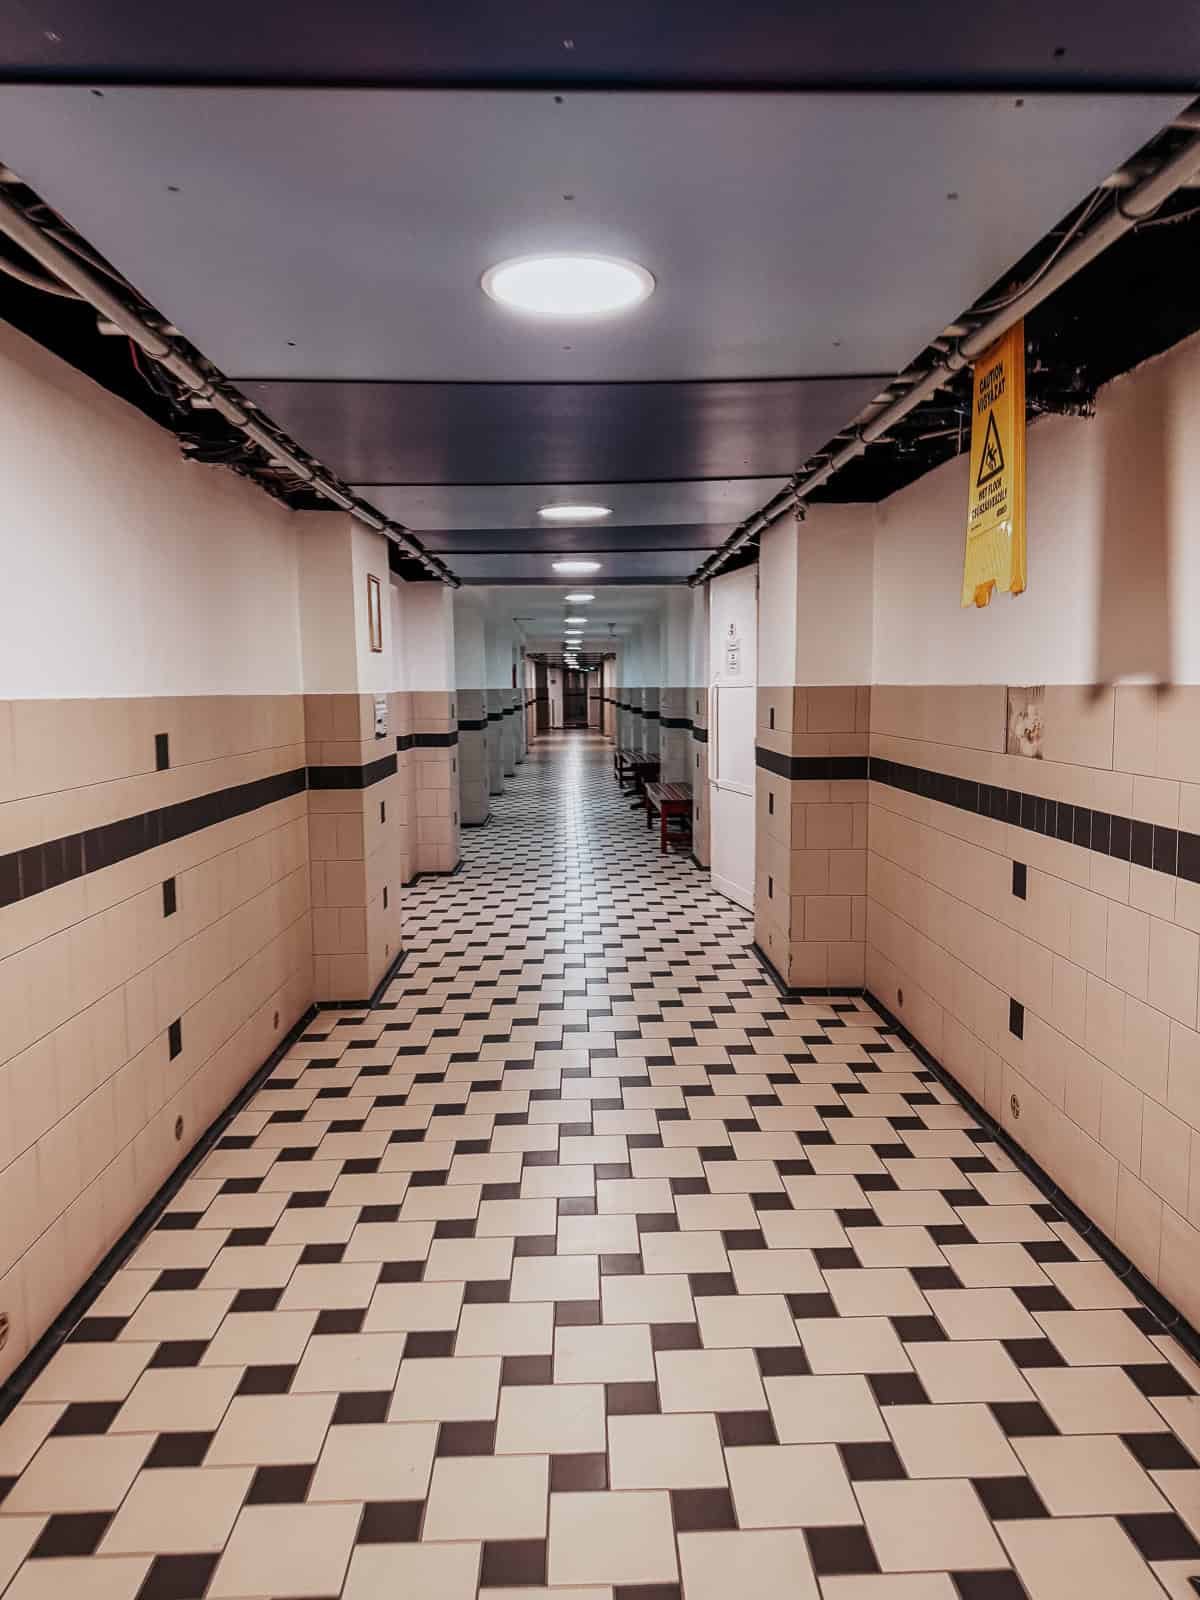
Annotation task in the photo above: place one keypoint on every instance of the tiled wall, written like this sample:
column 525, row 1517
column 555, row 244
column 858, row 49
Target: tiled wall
column 155, row 945
column 674, row 735
column 474, row 802
column 811, row 833
column 435, row 779
column 1036, row 923
column 698, row 776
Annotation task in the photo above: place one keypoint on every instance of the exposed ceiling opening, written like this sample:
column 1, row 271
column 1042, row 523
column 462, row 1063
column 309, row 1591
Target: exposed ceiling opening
column 801, row 249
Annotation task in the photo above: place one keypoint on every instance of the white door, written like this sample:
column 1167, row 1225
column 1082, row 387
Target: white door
column 732, row 714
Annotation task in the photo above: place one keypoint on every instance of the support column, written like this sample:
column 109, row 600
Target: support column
column 428, row 613
column 497, row 683
column 357, row 811
column 812, row 740
column 674, row 721
column 698, row 701
column 470, row 677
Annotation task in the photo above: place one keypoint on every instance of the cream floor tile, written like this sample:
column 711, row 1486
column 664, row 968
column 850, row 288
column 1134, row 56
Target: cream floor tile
column 469, row 1260
column 993, row 1266
column 119, row 1578
column 414, row 1307
column 665, row 1452
column 790, row 1486
column 341, row 1285
column 776, row 1271
column 380, row 1461
column 950, row 1441
column 715, row 1212
column 17, row 1535
column 895, row 1247
column 506, row 1330
column 756, row 1565
column 937, row 1524
column 876, row 1292
column 1096, row 1338
column 427, row 1571
column 683, row 1252
column 618, row 1195
column 260, row 1338
column 339, row 1362
column 555, row 1278
column 1093, row 1400
column 743, row 1177
column 803, row 1230
column 264, row 1266
column 828, row 1192
column 982, row 1314
column 271, row 1429
column 434, row 1204
column 746, row 1321
column 1082, row 1477
column 286, row 1551
column 591, row 1236
column 447, row 1388
column 1088, row 1556
column 1089, row 1285
column 390, row 1241
column 508, row 1218
column 540, row 1183
column 851, row 1344
column 619, row 1353
column 91, row 1473
column 184, row 1510
column 891, row 1586
column 178, row 1314
column 611, row 1539
column 183, row 1399
column 487, row 1497
column 551, row 1419
column 824, row 1410
column 22, row 1432
column 663, row 1297
column 709, row 1380
column 965, row 1370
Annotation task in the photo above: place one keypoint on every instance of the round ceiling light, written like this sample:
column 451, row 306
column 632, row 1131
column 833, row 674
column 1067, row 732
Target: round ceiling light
column 568, row 285
column 576, row 566
column 579, row 599
column 571, row 511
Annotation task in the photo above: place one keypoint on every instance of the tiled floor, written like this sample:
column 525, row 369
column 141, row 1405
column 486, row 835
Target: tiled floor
column 585, row 1262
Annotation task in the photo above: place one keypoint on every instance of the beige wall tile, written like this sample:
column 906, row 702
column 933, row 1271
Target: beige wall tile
column 1136, row 728
column 1166, row 1155
column 1127, row 964
column 1183, row 1076
column 1139, row 1223
column 1174, row 969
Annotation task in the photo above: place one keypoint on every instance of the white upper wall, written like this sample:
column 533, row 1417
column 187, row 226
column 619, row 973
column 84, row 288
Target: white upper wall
column 1110, row 502
column 777, row 603
column 427, row 617
column 127, row 570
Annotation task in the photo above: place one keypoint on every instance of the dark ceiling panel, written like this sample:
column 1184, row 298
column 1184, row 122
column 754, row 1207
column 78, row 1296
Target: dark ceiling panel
column 564, row 432
column 497, row 541
column 570, row 42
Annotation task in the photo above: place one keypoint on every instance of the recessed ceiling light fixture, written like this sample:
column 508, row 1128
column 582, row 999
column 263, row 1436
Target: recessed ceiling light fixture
column 568, row 285
column 576, row 566
column 579, row 599
column 572, row 511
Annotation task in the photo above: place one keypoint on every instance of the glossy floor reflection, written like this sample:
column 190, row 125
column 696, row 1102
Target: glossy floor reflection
column 584, row 1262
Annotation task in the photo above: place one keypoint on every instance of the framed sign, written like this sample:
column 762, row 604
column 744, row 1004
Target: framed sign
column 374, row 613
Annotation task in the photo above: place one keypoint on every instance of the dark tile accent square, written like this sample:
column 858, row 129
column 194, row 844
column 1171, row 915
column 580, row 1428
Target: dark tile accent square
column 746, row 1427
column 631, row 1399
column 466, row 1439
column 705, row 1284
column 96, row 1330
column 581, row 1472
column 620, row 1266
column 178, row 1450
column 898, row 1389
column 404, row 1272
column 418, row 1346
column 280, row 1486
column 674, row 1336
column 74, row 1533
column 391, row 1522
column 811, row 1305
column 702, row 1510
column 1159, row 1452
column 936, row 1277
column 175, row 1038
column 362, row 1405
column 454, row 1228
column 1033, row 1353
column 256, row 1299
column 1158, row 1378
column 1016, row 1019
column 169, row 900
column 840, row 1550
column 785, row 1361
column 509, row 1563
column 1019, row 880
column 866, row 1463
column 347, row 1319
column 516, row 1370
column 266, row 1380
column 183, row 1577
column 322, row 1255
column 917, row 1330
column 1022, row 1419
column 90, row 1416
column 1007, row 1499
column 1161, row 1536
column 998, row 1585
column 576, row 1313
column 162, row 752
column 1042, row 1297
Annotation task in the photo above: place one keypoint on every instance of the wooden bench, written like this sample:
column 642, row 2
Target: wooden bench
column 671, row 801
column 623, row 760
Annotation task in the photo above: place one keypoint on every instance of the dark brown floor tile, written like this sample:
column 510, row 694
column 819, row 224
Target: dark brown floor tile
column 674, row 1336
column 702, row 1510
column 466, row 1439
column 179, row 1450
column 867, row 1463
column 898, row 1389
column 746, row 1427
column 783, row 1362
column 526, row 1369
column 280, row 1486
column 391, row 1522
column 181, row 1577
column 840, row 1550
column 508, row 1563
column 428, row 1343
column 576, row 1313
column 631, row 1399
column 74, row 1533
column 179, row 1353
column 579, row 1472
column 85, row 1417
column 1022, row 1418
column 1007, row 1499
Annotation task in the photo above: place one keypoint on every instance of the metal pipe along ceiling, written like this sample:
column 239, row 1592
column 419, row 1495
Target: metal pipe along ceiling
column 1129, row 207
column 71, row 271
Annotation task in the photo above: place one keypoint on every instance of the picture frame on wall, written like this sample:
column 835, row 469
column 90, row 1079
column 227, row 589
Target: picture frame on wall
column 374, row 613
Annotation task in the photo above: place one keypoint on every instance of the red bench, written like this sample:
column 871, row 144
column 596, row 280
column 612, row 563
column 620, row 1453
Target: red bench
column 673, row 802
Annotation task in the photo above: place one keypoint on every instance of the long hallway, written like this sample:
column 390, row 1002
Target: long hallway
column 584, row 1262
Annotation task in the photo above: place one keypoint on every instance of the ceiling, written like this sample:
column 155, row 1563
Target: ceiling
column 538, row 611
column 323, row 246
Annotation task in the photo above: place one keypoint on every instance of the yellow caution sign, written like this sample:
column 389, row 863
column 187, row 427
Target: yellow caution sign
column 995, row 556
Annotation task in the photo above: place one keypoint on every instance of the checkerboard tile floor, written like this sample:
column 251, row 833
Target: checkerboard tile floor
column 585, row 1265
